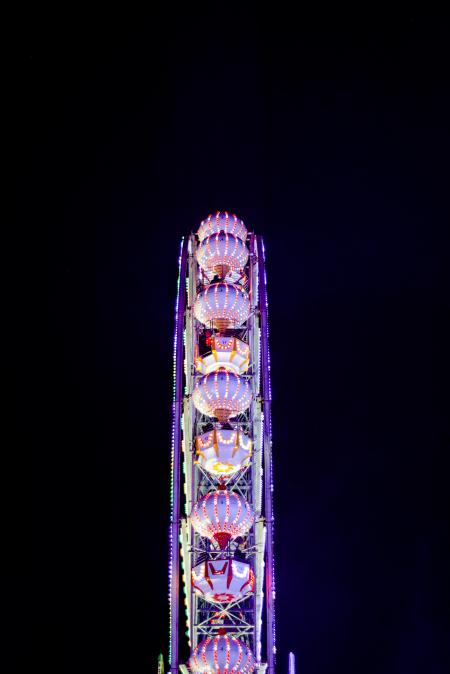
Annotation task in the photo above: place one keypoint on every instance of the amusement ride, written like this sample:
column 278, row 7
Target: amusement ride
column 221, row 566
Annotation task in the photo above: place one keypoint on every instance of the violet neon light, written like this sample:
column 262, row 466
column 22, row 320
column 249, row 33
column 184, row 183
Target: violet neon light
column 268, row 473
column 174, row 549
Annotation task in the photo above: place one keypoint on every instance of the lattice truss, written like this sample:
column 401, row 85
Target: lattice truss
column 243, row 617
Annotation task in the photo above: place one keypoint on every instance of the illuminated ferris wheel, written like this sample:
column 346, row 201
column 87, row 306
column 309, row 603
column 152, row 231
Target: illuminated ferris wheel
column 221, row 568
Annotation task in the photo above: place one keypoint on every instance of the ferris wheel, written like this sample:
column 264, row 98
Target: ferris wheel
column 221, row 563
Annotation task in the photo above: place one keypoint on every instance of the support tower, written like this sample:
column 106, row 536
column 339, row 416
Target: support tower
column 221, row 568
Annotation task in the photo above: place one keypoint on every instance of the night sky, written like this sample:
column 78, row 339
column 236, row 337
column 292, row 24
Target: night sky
column 327, row 134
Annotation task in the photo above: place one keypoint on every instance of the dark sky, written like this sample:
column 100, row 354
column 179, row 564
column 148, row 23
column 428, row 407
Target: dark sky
column 329, row 135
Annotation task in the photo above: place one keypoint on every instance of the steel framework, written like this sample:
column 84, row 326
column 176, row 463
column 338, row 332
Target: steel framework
column 251, row 619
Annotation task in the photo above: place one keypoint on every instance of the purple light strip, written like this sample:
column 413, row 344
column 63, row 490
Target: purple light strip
column 268, row 473
column 174, row 547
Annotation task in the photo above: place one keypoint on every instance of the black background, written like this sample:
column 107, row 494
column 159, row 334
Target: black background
column 329, row 135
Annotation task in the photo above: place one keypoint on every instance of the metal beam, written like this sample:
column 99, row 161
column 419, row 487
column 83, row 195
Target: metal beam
column 174, row 551
column 267, row 444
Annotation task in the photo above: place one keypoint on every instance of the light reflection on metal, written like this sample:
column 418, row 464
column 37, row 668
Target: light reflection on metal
column 226, row 352
column 223, row 452
column 291, row 663
column 223, row 580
